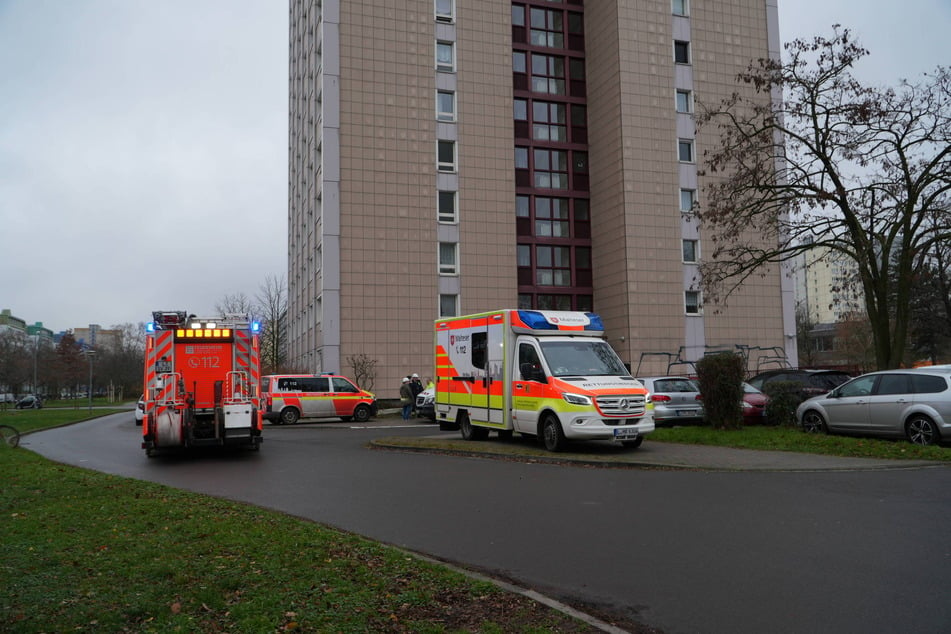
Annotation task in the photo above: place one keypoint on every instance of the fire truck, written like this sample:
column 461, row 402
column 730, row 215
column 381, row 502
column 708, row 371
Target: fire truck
column 202, row 382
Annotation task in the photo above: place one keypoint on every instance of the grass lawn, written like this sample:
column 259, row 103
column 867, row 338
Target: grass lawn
column 87, row 551
column 794, row 439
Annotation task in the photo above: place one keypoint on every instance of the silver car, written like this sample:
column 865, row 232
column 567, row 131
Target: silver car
column 914, row 404
column 676, row 399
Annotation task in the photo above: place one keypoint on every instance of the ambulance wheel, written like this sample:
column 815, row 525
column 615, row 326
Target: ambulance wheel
column 289, row 416
column 633, row 444
column 470, row 431
column 552, row 434
column 361, row 413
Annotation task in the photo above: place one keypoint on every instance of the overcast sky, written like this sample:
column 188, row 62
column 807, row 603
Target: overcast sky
column 143, row 144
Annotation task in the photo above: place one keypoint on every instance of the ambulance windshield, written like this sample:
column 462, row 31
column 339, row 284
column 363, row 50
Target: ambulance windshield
column 591, row 357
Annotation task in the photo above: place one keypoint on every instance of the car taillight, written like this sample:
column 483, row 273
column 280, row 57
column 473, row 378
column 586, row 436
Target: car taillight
column 660, row 397
column 699, row 397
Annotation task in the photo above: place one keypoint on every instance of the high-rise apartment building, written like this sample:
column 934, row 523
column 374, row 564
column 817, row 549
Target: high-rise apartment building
column 458, row 156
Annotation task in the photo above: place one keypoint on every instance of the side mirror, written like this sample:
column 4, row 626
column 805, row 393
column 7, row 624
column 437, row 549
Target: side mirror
column 531, row 372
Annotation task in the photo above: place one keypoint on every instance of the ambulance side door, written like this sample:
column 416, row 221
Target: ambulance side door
column 529, row 385
column 487, row 387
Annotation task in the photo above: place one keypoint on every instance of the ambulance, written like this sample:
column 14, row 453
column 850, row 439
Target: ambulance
column 547, row 374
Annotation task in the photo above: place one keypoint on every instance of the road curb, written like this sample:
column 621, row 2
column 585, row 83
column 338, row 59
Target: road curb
column 669, row 456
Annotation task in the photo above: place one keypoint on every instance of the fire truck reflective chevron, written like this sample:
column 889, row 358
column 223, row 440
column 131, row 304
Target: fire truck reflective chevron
column 202, row 382
column 548, row 374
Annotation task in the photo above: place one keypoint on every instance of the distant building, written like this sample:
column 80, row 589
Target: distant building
column 828, row 286
column 450, row 157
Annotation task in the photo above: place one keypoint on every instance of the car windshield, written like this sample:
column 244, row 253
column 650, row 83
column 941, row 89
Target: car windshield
column 582, row 358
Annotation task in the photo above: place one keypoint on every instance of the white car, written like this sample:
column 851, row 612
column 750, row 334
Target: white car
column 140, row 410
column 426, row 404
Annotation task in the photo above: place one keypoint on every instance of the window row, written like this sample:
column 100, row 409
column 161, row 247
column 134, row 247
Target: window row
column 548, row 74
column 550, row 121
column 550, row 217
column 552, row 265
column 551, row 28
column 546, row 301
column 546, row 168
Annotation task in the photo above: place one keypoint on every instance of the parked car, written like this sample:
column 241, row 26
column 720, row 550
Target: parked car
column 676, row 399
column 812, row 382
column 140, row 410
column 915, row 404
column 754, row 405
column 29, row 402
column 291, row 397
column 426, row 404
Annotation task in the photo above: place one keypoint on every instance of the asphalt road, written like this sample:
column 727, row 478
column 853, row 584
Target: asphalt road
column 682, row 551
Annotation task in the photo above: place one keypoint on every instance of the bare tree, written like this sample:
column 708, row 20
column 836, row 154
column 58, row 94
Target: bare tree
column 859, row 170
column 272, row 309
column 363, row 371
column 234, row 303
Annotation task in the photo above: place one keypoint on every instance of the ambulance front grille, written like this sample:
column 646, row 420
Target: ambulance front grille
column 622, row 404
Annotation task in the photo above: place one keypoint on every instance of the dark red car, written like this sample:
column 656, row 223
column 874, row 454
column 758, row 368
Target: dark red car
column 754, row 405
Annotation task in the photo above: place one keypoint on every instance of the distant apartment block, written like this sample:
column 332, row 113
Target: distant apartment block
column 828, row 287
column 450, row 157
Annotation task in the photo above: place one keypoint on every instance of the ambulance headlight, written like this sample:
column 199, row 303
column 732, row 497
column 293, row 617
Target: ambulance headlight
column 576, row 399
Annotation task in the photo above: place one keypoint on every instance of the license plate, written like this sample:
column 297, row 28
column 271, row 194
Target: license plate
column 625, row 433
column 684, row 412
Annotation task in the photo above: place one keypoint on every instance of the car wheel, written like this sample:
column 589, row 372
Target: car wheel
column 470, row 431
column 553, row 436
column 633, row 444
column 361, row 413
column 289, row 416
column 921, row 430
column 813, row 423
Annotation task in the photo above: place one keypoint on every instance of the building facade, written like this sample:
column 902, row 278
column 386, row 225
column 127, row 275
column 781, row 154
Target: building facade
column 450, row 157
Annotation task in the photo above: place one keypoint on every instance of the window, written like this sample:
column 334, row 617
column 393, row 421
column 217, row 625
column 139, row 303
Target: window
column 445, row 57
column 551, row 169
column 692, row 302
column 521, row 158
column 521, row 110
column 685, row 150
column 519, row 65
column 521, row 206
column 680, row 7
column 445, row 105
column 446, row 156
column 551, row 217
column 893, row 384
column 445, row 10
column 861, row 386
column 688, row 198
column 524, row 255
column 448, row 258
column 446, row 211
column 684, row 101
column 448, row 305
column 552, row 266
column 518, row 15
column 548, row 74
column 690, row 251
column 342, row 385
column 682, row 52
column 547, row 28
column 928, row 384
column 549, row 121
